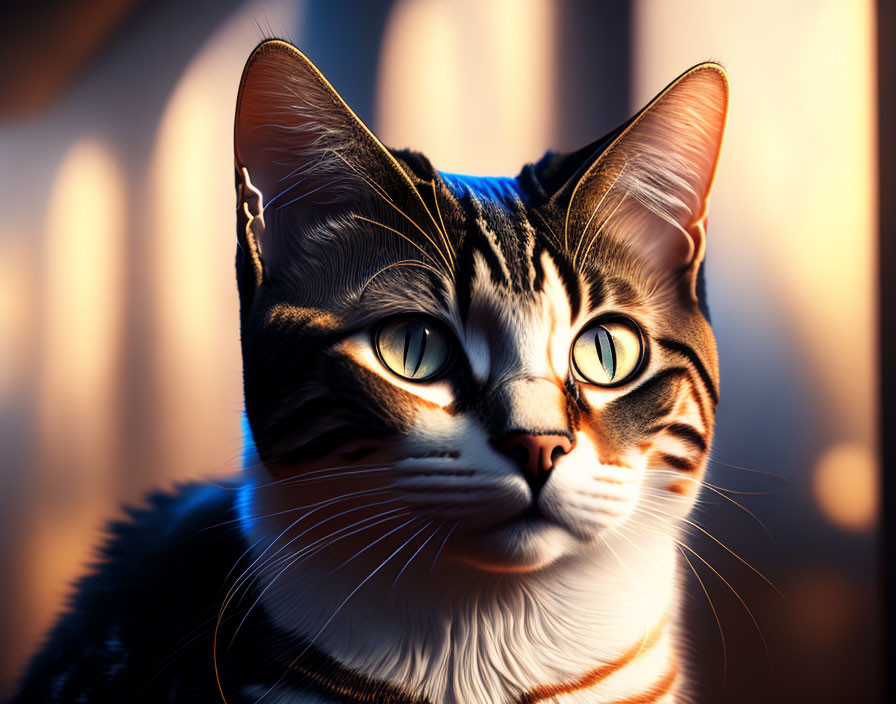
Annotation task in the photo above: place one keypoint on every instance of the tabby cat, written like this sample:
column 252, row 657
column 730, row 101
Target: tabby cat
column 478, row 409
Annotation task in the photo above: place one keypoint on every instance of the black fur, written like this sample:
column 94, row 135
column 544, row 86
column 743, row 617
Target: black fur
column 141, row 627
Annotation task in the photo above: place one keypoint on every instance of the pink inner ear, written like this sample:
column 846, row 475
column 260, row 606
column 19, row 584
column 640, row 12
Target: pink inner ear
column 291, row 129
column 651, row 186
column 666, row 247
column 272, row 140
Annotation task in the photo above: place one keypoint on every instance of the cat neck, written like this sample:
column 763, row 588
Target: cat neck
column 595, row 627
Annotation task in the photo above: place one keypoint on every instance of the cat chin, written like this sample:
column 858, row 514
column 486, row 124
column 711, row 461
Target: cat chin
column 520, row 547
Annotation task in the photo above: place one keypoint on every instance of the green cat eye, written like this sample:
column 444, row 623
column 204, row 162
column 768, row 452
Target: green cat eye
column 412, row 348
column 608, row 352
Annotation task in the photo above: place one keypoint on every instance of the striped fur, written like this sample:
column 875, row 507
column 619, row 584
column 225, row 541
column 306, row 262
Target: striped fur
column 390, row 530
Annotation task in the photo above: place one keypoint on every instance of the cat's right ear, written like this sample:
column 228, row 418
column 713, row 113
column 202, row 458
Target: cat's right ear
column 648, row 184
column 299, row 148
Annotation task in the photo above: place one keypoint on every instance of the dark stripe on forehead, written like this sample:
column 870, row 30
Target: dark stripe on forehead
column 624, row 294
column 688, row 352
column 439, row 288
column 596, row 289
column 474, row 240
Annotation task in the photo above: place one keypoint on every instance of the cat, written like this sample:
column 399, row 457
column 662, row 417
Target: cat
column 478, row 410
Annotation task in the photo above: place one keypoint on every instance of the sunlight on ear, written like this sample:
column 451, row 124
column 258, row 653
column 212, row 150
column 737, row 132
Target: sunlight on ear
column 469, row 83
column 792, row 222
column 195, row 347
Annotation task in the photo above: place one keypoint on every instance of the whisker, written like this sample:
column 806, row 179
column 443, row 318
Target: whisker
column 403, row 236
column 739, row 598
column 294, row 559
column 548, row 227
column 338, row 609
column 635, row 588
column 417, row 552
column 370, row 545
column 448, row 246
column 245, row 552
column 714, row 613
column 333, row 517
column 304, row 195
column 377, row 188
column 729, row 550
column 605, row 221
column 442, row 546
column 285, row 190
column 713, row 489
column 320, row 548
column 751, row 469
column 321, row 544
column 600, row 202
column 243, row 578
column 381, row 192
column 687, row 547
column 404, row 262
column 319, row 504
column 339, row 475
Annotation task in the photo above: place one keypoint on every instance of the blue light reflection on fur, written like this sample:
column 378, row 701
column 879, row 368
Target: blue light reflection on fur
column 496, row 188
column 250, row 460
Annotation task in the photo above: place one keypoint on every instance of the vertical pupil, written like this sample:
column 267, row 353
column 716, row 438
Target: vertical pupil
column 414, row 348
column 606, row 351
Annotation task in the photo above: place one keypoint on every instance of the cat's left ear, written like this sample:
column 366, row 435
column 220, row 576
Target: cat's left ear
column 650, row 187
column 300, row 149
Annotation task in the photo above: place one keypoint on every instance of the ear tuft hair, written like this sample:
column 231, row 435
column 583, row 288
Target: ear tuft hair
column 292, row 130
column 650, row 186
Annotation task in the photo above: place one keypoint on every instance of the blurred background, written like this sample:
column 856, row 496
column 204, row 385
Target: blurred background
column 119, row 348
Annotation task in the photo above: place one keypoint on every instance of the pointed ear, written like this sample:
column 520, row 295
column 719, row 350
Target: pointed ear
column 299, row 148
column 650, row 187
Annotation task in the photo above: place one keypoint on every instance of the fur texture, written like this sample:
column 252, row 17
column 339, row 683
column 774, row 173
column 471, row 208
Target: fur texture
column 504, row 531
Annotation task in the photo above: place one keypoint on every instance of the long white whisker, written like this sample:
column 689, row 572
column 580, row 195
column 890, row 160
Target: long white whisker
column 273, row 542
column 637, row 591
column 364, row 581
column 295, row 558
column 338, row 609
column 370, row 545
column 417, row 552
column 442, row 546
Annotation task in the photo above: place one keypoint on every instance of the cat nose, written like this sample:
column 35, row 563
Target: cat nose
column 535, row 454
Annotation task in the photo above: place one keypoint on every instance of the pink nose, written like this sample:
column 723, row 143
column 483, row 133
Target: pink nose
column 535, row 454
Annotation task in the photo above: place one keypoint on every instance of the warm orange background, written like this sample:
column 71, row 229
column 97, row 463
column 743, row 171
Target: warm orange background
column 119, row 356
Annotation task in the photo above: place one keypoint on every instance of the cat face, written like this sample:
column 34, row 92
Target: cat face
column 511, row 367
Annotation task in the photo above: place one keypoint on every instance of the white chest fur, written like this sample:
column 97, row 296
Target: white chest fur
column 460, row 639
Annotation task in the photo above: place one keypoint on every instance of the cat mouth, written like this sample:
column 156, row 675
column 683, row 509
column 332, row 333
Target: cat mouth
column 531, row 516
column 527, row 541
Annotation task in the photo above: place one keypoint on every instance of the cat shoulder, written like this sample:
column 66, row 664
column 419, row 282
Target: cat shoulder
column 155, row 582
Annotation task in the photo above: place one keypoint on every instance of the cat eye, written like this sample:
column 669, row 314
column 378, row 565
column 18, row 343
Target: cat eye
column 412, row 348
column 609, row 351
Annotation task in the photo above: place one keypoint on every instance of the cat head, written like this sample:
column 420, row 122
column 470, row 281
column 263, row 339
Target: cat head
column 523, row 364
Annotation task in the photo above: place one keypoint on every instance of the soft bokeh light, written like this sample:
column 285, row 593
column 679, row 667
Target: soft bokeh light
column 119, row 357
column 469, row 83
column 16, row 318
column 80, row 363
column 845, row 484
column 793, row 216
column 195, row 344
